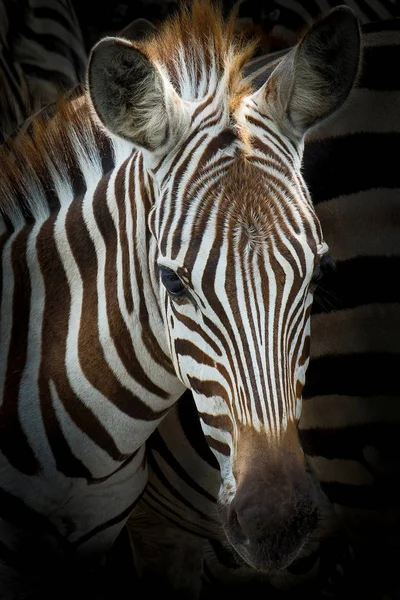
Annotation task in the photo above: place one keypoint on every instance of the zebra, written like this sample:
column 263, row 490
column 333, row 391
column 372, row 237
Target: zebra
column 13, row 90
column 138, row 225
column 355, row 320
column 49, row 47
column 42, row 55
column 293, row 17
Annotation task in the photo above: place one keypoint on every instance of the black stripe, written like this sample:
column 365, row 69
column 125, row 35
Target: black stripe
column 174, row 516
column 367, row 11
column 158, row 445
column 226, row 556
column 48, row 41
column 349, row 443
column 369, row 374
column 11, row 76
column 304, row 564
column 62, row 80
column 14, row 443
column 15, row 512
column 349, row 164
column 66, row 461
column 8, row 557
column 157, row 471
column 291, row 20
column 364, row 497
column 378, row 72
column 120, row 518
column 263, row 61
column 190, row 423
column 387, row 24
column 358, row 282
column 44, row 12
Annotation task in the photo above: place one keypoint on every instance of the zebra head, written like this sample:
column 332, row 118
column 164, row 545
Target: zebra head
column 237, row 245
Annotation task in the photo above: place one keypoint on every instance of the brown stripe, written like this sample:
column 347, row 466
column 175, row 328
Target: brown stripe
column 218, row 446
column 149, row 340
column 187, row 348
column 193, row 326
column 256, row 364
column 54, row 338
column 207, row 190
column 279, row 141
column 64, row 457
column 202, row 106
column 118, row 329
column 198, row 182
column 173, row 203
column 125, row 463
column 208, row 285
column 120, row 192
column 207, row 388
column 220, row 422
column 265, row 286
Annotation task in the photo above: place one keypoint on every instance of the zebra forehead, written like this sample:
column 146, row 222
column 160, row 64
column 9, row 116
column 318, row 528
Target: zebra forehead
column 256, row 201
column 197, row 48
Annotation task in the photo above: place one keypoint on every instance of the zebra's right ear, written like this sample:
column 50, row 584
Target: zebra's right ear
column 315, row 78
column 131, row 97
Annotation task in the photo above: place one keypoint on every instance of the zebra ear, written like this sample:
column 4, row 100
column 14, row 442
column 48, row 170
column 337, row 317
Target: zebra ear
column 131, row 98
column 138, row 30
column 316, row 77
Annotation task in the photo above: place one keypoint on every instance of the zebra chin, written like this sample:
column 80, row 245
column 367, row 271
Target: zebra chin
column 261, row 556
column 269, row 542
column 272, row 510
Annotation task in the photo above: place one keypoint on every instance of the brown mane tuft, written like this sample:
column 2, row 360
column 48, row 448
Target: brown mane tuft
column 199, row 36
column 197, row 40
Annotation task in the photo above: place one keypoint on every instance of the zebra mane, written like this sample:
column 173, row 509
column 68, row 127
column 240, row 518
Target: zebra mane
column 198, row 49
column 52, row 160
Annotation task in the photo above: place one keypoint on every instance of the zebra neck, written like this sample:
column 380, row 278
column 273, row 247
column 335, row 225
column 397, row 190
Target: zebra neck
column 79, row 297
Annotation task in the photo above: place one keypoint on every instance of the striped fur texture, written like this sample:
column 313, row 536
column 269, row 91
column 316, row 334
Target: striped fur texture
column 351, row 408
column 157, row 234
column 42, row 56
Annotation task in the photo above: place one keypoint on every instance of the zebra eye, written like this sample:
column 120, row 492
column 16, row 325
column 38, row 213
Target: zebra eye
column 171, row 282
column 325, row 265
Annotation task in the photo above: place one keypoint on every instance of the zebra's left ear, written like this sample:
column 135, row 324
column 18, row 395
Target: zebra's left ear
column 131, row 97
column 316, row 77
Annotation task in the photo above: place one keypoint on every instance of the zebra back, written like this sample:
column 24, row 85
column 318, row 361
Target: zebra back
column 42, row 55
column 296, row 16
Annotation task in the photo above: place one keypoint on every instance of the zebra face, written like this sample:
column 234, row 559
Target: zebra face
column 236, row 302
column 236, row 243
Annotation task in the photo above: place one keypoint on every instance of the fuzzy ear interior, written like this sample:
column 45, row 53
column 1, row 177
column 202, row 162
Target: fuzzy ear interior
column 316, row 77
column 130, row 96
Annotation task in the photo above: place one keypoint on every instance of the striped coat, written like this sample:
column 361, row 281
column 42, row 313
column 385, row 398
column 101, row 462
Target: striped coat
column 142, row 227
column 351, row 409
